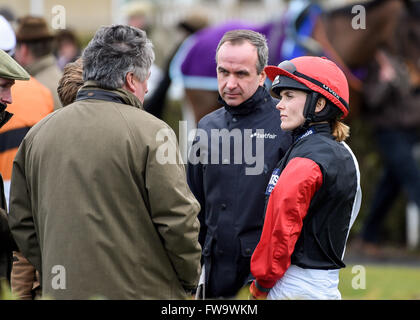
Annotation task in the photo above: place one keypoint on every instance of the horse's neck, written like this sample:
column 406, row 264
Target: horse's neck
column 358, row 46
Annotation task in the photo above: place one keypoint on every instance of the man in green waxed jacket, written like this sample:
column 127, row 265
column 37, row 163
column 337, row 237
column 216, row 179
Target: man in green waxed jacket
column 94, row 206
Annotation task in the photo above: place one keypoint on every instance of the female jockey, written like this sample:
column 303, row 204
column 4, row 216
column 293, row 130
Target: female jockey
column 314, row 194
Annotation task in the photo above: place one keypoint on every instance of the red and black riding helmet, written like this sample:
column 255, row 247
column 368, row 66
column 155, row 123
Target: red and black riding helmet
column 312, row 74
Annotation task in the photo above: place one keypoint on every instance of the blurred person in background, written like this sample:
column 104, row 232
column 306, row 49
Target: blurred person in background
column 67, row 47
column 7, row 37
column 392, row 95
column 139, row 14
column 34, row 51
column 155, row 101
column 10, row 71
column 8, row 14
column 32, row 101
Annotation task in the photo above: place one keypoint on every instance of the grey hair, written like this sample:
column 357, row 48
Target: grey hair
column 113, row 52
column 257, row 39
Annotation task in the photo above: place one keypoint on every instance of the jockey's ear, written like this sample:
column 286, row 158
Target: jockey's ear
column 320, row 104
column 262, row 76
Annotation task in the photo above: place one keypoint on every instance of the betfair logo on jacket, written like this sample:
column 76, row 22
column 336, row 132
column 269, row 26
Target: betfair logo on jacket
column 263, row 136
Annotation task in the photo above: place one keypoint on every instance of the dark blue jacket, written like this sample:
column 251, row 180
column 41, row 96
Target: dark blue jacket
column 232, row 200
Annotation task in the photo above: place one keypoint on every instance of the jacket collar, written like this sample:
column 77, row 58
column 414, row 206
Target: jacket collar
column 41, row 64
column 122, row 95
column 257, row 99
column 4, row 115
column 316, row 128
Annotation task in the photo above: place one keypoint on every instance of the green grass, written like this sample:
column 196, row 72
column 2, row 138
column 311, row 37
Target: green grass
column 382, row 283
column 5, row 292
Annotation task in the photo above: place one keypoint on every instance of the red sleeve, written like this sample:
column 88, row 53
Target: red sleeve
column 286, row 208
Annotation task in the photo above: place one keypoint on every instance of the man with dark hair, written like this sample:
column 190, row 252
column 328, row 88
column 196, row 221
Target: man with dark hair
column 231, row 191
column 34, row 52
column 92, row 207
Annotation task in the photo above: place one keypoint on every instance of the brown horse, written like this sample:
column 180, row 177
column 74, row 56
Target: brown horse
column 349, row 47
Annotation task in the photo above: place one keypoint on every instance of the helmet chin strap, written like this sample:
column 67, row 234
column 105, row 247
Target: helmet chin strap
column 309, row 109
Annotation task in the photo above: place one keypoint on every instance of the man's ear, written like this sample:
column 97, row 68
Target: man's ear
column 129, row 82
column 320, row 104
column 263, row 76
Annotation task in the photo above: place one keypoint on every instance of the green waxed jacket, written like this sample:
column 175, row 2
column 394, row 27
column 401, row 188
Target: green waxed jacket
column 94, row 210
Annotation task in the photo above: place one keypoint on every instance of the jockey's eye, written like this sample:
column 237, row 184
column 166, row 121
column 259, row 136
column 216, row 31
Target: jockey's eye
column 286, row 94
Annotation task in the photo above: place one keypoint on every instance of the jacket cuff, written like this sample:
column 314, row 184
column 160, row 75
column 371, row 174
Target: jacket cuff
column 258, row 291
column 267, row 284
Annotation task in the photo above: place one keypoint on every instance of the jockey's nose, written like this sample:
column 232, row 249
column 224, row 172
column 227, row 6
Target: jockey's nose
column 280, row 105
